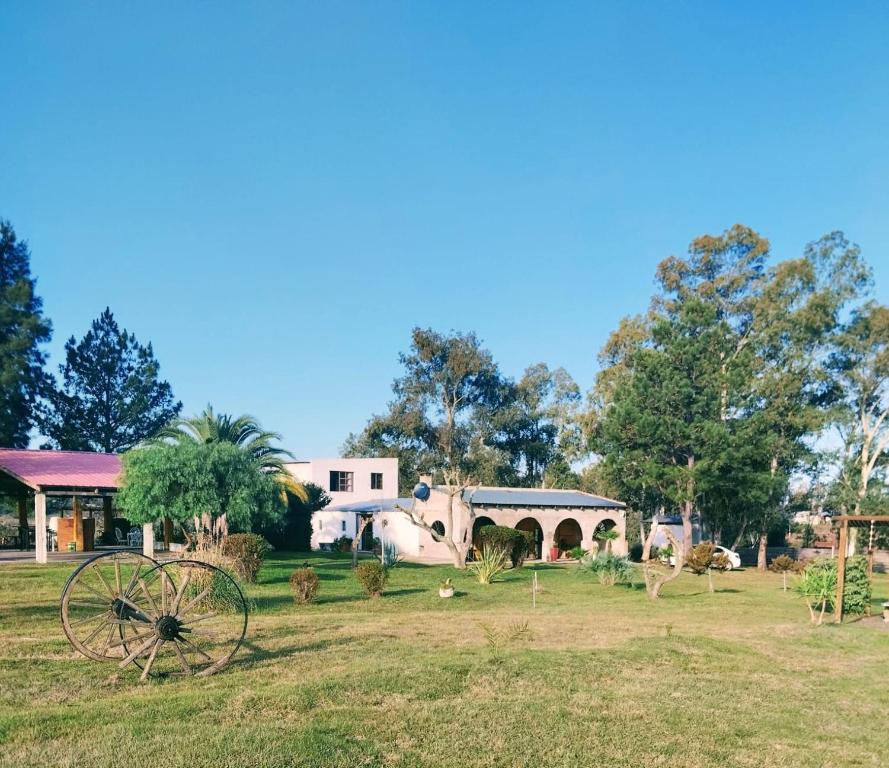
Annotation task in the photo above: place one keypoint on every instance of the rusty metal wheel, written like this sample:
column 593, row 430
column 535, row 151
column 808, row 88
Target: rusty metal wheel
column 192, row 619
column 102, row 608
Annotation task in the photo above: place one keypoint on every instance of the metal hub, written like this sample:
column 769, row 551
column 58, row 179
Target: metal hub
column 167, row 627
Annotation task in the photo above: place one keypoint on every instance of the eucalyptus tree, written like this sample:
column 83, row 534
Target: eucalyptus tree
column 859, row 364
column 723, row 325
column 441, row 416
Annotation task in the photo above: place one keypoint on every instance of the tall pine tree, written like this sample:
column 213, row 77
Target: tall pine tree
column 111, row 397
column 22, row 330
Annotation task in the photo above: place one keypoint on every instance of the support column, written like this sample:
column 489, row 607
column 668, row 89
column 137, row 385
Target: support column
column 841, row 572
column 77, row 513
column 148, row 540
column 23, row 522
column 40, row 526
column 168, row 533
column 107, row 521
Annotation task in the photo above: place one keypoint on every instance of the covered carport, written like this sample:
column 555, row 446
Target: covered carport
column 31, row 477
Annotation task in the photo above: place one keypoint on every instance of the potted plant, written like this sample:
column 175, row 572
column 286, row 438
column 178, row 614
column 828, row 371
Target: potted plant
column 554, row 552
column 446, row 589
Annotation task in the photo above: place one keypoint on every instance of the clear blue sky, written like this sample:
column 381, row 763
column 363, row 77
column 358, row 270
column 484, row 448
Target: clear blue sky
column 275, row 195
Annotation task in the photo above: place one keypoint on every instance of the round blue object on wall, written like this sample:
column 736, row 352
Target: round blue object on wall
column 421, row 491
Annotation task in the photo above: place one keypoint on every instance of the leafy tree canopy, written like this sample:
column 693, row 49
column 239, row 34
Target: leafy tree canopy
column 185, row 480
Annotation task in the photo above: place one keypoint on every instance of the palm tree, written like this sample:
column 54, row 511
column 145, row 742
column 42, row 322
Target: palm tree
column 245, row 432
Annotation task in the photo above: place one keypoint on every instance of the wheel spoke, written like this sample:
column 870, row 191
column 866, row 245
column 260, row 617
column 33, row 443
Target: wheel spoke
column 182, row 661
column 149, row 597
column 98, row 572
column 196, row 649
column 151, row 657
column 133, row 578
column 178, row 598
column 131, row 639
column 138, row 652
column 92, row 635
column 193, row 603
column 101, row 615
column 108, row 639
column 200, row 617
column 117, row 579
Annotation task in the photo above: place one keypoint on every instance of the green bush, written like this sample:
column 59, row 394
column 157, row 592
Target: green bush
column 857, row 592
column 577, row 552
column 246, row 552
column 372, row 577
column 636, row 552
column 609, row 569
column 818, row 585
column 514, row 543
column 304, row 583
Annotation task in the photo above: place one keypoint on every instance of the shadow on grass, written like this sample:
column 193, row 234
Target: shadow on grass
column 251, row 653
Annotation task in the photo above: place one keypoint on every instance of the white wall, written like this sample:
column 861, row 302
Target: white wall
column 327, row 526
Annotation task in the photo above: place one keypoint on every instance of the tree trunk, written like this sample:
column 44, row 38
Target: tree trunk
column 688, row 508
column 739, row 538
column 761, row 555
column 649, row 540
column 654, row 582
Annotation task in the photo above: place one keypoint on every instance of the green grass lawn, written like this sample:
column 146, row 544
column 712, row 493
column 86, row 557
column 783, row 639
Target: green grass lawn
column 606, row 678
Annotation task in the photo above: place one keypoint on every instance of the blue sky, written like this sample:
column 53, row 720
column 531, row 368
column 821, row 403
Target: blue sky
column 275, row 193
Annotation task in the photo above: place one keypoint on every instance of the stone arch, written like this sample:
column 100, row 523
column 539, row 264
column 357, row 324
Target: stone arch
column 531, row 525
column 477, row 524
column 568, row 534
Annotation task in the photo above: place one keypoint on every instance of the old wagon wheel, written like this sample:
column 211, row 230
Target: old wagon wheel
column 101, row 609
column 198, row 618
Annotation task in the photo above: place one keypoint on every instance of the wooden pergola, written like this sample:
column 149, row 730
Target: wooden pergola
column 847, row 521
column 26, row 475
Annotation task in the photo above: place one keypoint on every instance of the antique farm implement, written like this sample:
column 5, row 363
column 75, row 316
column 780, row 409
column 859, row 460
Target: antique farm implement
column 180, row 617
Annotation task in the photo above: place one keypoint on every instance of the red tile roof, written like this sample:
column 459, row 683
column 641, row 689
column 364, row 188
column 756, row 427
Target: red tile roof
column 61, row 469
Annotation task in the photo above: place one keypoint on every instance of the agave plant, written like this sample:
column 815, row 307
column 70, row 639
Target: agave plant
column 245, row 432
column 491, row 561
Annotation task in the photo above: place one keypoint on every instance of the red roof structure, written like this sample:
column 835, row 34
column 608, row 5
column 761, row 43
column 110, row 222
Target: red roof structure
column 44, row 470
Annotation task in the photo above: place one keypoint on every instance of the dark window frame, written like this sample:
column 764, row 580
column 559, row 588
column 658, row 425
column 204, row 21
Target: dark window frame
column 376, row 481
column 341, row 481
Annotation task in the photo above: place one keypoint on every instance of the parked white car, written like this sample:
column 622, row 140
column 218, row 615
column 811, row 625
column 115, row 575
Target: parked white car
column 734, row 559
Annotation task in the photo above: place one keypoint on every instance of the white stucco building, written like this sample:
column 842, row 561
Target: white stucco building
column 347, row 481
column 558, row 519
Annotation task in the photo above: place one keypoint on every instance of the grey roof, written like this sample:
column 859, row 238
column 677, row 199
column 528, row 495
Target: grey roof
column 369, row 505
column 538, row 497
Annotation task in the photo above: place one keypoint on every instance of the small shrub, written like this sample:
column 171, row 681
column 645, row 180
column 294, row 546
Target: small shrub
column 304, row 583
column 491, row 561
column 577, row 552
column 372, row 577
column 818, row 585
column 246, row 552
column 784, row 564
column 515, row 543
column 343, row 544
column 608, row 568
column 703, row 559
column 636, row 553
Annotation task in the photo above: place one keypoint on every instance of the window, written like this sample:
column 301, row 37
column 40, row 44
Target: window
column 341, row 481
column 376, row 481
column 343, row 524
column 438, row 527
